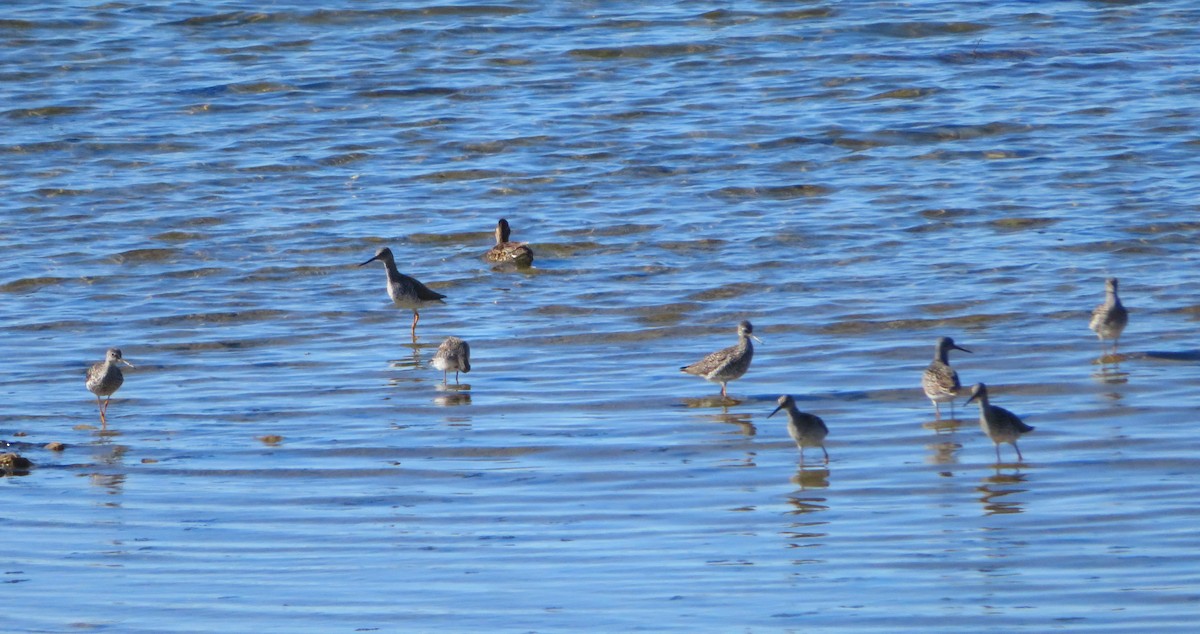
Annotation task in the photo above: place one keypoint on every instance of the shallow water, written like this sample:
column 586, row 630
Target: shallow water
column 196, row 185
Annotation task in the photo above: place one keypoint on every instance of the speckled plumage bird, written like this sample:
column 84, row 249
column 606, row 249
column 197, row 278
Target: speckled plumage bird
column 506, row 252
column 727, row 364
column 940, row 381
column 454, row 354
column 104, row 378
column 806, row 429
column 998, row 423
column 1110, row 318
column 405, row 291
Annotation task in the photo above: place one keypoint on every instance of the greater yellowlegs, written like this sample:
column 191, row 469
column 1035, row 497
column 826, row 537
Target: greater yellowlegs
column 104, row 378
column 453, row 354
column 998, row 423
column 505, row 252
column 804, row 428
column 1110, row 318
column 406, row 292
column 940, row 380
column 728, row 364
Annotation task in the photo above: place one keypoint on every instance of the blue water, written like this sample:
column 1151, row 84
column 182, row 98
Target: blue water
column 196, row 184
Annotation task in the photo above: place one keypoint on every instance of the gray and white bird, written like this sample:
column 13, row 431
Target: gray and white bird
column 806, row 429
column 940, row 381
column 998, row 423
column 729, row 363
column 454, row 354
column 405, row 291
column 1110, row 318
column 104, row 378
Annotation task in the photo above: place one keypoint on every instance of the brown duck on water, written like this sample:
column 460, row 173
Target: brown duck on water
column 505, row 252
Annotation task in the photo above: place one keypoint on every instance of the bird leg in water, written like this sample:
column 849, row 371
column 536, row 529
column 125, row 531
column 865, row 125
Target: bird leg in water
column 103, row 408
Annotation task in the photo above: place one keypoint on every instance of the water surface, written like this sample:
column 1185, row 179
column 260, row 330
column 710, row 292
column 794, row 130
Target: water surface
column 196, row 184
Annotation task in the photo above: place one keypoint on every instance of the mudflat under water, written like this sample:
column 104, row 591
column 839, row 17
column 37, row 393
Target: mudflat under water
column 197, row 183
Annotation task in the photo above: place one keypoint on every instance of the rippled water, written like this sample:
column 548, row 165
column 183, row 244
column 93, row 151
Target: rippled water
column 196, row 183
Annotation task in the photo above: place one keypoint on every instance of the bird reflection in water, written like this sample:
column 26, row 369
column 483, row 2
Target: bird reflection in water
column 415, row 362
column 104, row 434
column 450, row 398
column 943, row 425
column 741, row 421
column 710, row 402
column 803, row 505
column 804, row 531
column 746, row 459
column 943, row 453
column 996, row 489
column 110, row 456
column 1111, row 374
column 811, row 478
column 412, row 363
column 113, row 482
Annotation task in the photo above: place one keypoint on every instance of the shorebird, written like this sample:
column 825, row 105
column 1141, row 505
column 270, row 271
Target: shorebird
column 104, row 378
column 1110, row 318
column 453, row 354
column 505, row 252
column 804, row 428
column 998, row 423
column 940, row 380
column 728, row 364
column 406, row 292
